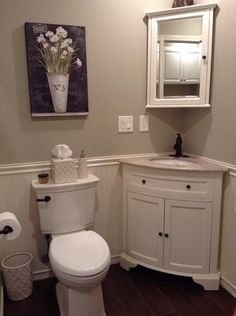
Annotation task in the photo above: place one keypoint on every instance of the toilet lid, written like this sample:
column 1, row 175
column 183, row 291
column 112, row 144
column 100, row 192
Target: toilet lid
column 80, row 254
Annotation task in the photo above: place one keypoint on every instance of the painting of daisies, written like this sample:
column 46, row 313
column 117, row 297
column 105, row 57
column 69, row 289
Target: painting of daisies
column 57, row 69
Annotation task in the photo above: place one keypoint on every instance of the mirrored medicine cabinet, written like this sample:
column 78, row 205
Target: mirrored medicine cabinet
column 179, row 57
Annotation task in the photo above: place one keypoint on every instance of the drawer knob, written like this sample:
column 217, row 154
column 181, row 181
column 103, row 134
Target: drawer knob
column 143, row 181
column 160, row 234
column 188, row 187
column 166, row 235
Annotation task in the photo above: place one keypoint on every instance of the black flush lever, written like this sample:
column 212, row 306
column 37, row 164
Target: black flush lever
column 46, row 199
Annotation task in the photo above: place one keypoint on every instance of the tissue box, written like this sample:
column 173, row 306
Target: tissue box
column 63, row 170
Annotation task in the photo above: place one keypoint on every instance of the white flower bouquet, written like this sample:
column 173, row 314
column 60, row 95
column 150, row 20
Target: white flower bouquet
column 57, row 51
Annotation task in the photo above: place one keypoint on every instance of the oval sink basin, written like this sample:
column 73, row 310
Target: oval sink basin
column 170, row 161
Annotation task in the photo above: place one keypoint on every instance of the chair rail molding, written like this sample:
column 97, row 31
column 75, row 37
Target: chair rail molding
column 41, row 166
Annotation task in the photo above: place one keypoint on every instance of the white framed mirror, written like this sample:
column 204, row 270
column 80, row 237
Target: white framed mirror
column 179, row 57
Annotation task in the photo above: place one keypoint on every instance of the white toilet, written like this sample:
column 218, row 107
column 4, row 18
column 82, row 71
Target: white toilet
column 80, row 258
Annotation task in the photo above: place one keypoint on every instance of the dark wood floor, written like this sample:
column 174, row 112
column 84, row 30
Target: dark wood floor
column 140, row 292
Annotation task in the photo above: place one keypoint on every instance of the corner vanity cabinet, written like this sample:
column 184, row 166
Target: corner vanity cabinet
column 171, row 221
column 179, row 56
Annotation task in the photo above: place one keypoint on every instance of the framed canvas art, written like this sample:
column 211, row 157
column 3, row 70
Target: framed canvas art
column 57, row 69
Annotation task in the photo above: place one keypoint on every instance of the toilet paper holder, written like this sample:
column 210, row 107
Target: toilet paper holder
column 6, row 230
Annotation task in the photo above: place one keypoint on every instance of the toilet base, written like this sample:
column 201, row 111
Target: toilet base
column 80, row 303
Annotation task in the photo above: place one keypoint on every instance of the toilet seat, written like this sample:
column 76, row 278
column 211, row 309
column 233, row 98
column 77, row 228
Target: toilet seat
column 81, row 254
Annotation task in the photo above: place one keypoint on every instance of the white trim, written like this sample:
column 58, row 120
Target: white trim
column 43, row 274
column 228, row 286
column 60, row 114
column 230, row 167
column 115, row 259
column 148, row 106
column 24, row 167
column 39, row 166
column 42, row 166
column 48, row 273
column 183, row 9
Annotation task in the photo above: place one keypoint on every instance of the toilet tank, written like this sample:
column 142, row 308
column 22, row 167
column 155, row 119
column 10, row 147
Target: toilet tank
column 70, row 208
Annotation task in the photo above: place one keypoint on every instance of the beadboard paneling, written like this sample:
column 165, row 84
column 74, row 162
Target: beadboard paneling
column 17, row 196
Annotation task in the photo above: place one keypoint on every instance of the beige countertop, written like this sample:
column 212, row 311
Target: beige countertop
column 172, row 163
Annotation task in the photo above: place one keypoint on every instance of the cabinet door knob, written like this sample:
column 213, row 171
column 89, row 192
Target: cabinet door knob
column 204, row 57
column 143, row 181
column 166, row 235
column 188, row 187
column 160, row 234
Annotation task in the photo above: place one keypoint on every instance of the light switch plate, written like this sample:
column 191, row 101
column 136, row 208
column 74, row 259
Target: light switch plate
column 143, row 123
column 125, row 124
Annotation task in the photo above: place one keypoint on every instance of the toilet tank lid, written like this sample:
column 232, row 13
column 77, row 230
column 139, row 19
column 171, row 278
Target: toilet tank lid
column 50, row 186
column 81, row 254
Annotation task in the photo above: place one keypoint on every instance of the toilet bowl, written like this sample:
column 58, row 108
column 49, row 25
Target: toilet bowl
column 80, row 258
column 80, row 261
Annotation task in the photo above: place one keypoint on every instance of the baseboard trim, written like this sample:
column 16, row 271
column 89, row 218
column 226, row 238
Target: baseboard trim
column 228, row 286
column 43, row 274
column 115, row 259
column 48, row 273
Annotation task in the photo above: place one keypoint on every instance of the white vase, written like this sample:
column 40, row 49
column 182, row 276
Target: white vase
column 58, row 85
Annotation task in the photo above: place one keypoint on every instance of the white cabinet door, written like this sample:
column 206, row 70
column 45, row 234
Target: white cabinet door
column 172, row 67
column 191, row 67
column 187, row 236
column 145, row 218
column 182, row 67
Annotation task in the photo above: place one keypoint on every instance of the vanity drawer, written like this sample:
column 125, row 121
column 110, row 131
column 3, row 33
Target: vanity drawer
column 173, row 187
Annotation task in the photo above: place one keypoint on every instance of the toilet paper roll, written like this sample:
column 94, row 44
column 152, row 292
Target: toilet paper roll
column 9, row 219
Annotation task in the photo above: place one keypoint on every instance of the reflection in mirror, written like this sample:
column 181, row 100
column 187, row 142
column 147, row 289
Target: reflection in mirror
column 179, row 51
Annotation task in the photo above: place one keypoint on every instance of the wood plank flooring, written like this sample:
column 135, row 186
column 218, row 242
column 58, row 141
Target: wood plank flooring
column 139, row 292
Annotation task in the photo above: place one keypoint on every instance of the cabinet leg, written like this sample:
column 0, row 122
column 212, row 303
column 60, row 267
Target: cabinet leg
column 126, row 264
column 209, row 282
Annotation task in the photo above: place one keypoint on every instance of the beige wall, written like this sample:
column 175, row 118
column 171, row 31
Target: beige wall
column 116, row 38
column 212, row 132
column 116, row 55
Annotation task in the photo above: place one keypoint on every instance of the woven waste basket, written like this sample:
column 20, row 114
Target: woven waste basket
column 17, row 274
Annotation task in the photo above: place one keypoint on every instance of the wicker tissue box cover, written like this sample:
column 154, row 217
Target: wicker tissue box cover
column 63, row 170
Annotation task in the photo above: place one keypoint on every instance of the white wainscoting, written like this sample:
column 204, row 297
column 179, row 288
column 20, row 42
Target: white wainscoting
column 16, row 196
